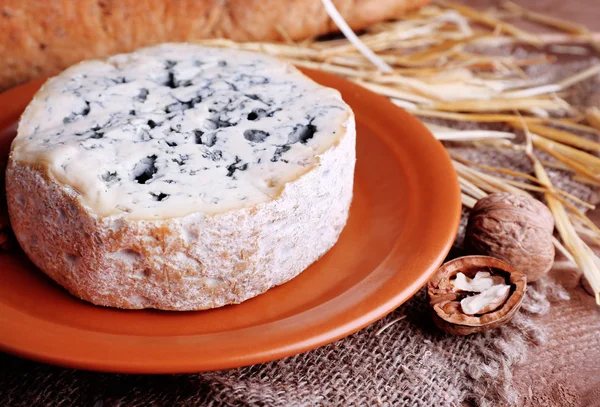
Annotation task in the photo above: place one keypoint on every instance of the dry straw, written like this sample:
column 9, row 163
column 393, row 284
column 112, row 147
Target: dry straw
column 431, row 63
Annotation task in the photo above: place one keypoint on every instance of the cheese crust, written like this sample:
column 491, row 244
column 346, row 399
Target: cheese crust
column 181, row 259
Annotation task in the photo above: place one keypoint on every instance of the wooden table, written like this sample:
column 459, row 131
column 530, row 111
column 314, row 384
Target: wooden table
column 565, row 371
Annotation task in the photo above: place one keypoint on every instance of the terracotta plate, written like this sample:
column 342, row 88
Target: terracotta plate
column 402, row 223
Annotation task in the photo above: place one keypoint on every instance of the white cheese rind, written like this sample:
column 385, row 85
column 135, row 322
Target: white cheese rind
column 188, row 263
column 187, row 253
column 179, row 128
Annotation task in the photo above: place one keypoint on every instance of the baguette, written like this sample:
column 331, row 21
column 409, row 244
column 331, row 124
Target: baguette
column 41, row 38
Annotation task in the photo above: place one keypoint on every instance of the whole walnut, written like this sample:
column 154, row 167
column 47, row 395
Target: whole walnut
column 514, row 228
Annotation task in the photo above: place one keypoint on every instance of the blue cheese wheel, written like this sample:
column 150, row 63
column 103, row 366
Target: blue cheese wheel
column 180, row 177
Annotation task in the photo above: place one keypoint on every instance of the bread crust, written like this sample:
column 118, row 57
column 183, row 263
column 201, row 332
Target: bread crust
column 41, row 37
column 190, row 263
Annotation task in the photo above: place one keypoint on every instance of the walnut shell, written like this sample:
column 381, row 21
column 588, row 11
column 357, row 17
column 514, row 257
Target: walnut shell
column 445, row 299
column 514, row 228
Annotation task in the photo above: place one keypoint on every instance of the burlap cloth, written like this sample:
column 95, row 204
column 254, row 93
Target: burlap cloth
column 408, row 363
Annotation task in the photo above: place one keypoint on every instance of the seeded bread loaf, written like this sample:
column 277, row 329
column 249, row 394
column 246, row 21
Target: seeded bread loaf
column 41, row 37
column 180, row 177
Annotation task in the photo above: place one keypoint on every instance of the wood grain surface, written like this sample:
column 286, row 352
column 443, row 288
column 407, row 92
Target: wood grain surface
column 586, row 12
column 565, row 371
